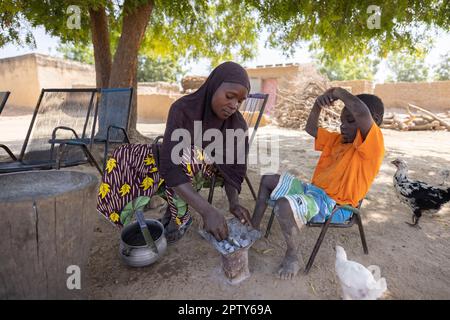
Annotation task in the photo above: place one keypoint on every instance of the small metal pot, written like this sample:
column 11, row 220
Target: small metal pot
column 134, row 251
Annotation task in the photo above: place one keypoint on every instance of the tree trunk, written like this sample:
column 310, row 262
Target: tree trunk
column 124, row 68
column 45, row 233
column 135, row 135
column 102, row 50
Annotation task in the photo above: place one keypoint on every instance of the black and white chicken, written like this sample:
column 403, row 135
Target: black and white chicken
column 419, row 196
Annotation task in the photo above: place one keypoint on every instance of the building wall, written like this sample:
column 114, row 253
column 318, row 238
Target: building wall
column 255, row 84
column 61, row 73
column 270, row 86
column 265, row 72
column 434, row 96
column 19, row 75
column 267, row 79
column 154, row 107
column 357, row 86
column 26, row 75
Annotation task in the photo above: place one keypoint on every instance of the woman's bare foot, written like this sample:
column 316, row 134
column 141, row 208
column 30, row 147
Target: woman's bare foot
column 289, row 267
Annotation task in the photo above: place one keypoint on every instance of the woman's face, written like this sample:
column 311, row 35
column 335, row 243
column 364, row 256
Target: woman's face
column 227, row 99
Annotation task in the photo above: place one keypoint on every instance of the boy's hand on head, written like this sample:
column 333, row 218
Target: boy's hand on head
column 327, row 98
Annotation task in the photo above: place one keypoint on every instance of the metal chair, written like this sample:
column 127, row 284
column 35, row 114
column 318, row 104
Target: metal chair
column 3, row 98
column 55, row 108
column 355, row 217
column 113, row 112
column 252, row 109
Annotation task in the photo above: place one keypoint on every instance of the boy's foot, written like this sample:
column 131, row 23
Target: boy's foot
column 289, row 267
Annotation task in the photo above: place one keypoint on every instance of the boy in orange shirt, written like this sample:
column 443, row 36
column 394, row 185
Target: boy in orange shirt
column 346, row 169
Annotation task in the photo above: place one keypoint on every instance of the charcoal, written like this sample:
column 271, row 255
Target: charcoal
column 240, row 237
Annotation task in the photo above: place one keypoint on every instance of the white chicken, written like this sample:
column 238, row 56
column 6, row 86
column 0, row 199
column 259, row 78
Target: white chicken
column 357, row 281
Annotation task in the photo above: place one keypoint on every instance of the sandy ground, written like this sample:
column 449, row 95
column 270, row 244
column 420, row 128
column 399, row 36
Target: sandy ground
column 415, row 263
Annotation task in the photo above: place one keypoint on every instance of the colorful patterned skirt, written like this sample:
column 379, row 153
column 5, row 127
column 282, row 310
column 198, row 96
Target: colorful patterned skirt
column 131, row 172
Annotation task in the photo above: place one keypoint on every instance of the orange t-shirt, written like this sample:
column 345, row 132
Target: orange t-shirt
column 345, row 171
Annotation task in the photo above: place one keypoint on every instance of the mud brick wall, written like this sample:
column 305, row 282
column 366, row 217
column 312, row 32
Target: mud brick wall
column 357, row 86
column 434, row 96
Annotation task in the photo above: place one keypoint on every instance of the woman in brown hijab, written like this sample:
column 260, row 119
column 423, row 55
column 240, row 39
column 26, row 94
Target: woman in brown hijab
column 132, row 171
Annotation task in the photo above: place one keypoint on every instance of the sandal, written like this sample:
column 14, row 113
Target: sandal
column 165, row 219
column 176, row 234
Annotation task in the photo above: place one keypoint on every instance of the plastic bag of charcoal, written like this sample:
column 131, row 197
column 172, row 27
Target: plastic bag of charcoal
column 239, row 237
column 234, row 249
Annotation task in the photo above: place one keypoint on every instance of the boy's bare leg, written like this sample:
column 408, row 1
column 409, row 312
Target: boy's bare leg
column 266, row 186
column 290, row 265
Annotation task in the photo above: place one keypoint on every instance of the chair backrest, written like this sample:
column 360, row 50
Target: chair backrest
column 3, row 98
column 113, row 107
column 252, row 109
column 72, row 108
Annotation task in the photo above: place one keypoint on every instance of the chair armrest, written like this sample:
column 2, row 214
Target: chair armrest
column 53, row 140
column 63, row 128
column 127, row 139
column 8, row 151
column 157, row 139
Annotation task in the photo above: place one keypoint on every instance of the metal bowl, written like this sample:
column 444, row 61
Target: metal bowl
column 134, row 251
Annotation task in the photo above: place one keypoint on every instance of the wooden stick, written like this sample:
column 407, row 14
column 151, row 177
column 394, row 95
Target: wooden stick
column 428, row 126
column 442, row 122
column 409, row 111
column 390, row 126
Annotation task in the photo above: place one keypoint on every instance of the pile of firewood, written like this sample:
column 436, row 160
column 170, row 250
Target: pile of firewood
column 421, row 120
column 192, row 83
column 295, row 102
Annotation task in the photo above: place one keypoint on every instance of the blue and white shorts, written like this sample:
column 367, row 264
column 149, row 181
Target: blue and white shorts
column 308, row 202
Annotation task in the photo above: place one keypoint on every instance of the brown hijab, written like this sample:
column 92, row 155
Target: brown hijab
column 197, row 107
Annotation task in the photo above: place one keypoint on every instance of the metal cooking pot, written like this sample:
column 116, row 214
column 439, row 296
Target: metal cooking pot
column 134, row 251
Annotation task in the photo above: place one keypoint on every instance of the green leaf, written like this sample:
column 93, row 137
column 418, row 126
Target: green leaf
column 181, row 206
column 198, row 181
column 127, row 214
column 140, row 202
column 127, row 219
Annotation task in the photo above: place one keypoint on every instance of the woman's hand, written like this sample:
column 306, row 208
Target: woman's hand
column 235, row 208
column 242, row 214
column 214, row 222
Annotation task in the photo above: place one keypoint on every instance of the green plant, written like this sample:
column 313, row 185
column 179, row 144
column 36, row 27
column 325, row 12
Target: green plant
column 126, row 216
